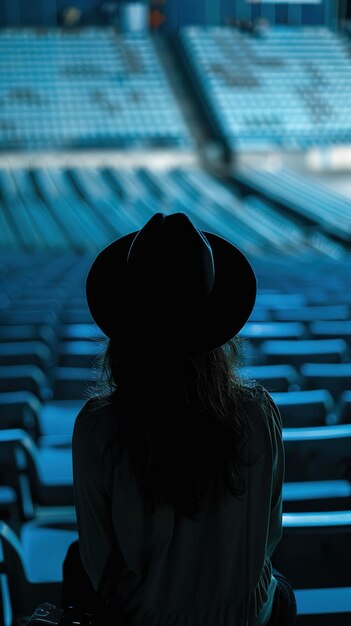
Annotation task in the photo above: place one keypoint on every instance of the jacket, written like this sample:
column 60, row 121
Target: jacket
column 211, row 571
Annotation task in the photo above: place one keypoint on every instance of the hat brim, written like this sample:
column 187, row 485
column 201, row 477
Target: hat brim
column 196, row 329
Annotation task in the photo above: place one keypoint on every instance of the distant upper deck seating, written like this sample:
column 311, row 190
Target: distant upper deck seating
column 91, row 88
column 287, row 89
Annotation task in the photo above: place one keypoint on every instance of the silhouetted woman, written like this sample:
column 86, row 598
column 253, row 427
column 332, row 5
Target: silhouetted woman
column 178, row 463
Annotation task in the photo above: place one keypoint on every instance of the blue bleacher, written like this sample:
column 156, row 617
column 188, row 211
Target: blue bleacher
column 289, row 89
column 95, row 87
column 307, row 199
column 306, row 408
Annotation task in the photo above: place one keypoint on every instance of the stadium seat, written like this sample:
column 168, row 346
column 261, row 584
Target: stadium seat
column 336, row 377
column 260, row 315
column 313, row 549
column 305, row 408
column 77, row 353
column 40, row 478
column 49, row 424
column 24, row 378
column 273, row 377
column 31, row 317
column 331, row 329
column 322, row 607
column 21, row 333
column 36, row 303
column 79, row 332
column 260, row 332
column 345, row 407
column 317, row 453
column 57, row 418
column 317, row 468
column 32, row 566
column 8, row 506
column 20, row 409
column 311, row 555
column 76, row 316
column 71, row 383
column 304, row 351
column 26, row 353
column 312, row 313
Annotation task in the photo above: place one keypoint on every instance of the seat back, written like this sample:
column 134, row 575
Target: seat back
column 314, row 549
column 14, row 582
column 305, row 408
column 18, row 468
column 20, row 409
column 24, row 378
column 273, row 377
column 320, row 453
column 71, row 383
column 297, row 353
column 332, row 376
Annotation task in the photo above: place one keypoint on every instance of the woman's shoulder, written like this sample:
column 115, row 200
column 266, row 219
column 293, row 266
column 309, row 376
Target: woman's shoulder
column 96, row 421
column 262, row 406
column 93, row 409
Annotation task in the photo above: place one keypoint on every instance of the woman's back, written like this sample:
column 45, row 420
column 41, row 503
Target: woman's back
column 212, row 569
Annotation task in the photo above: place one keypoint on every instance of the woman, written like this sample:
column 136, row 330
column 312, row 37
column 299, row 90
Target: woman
column 178, row 464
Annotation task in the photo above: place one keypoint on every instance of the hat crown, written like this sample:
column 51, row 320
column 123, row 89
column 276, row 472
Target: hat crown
column 170, row 259
column 170, row 278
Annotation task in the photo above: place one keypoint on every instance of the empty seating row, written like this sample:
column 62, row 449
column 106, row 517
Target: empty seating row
column 335, row 377
column 305, row 198
column 83, row 209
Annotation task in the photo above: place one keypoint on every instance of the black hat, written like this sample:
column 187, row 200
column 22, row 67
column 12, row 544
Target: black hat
column 170, row 280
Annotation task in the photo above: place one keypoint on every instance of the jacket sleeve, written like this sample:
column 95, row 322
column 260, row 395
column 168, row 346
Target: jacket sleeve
column 92, row 501
column 275, row 524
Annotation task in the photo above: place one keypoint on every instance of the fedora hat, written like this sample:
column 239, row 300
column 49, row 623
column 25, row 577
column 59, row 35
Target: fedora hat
column 171, row 280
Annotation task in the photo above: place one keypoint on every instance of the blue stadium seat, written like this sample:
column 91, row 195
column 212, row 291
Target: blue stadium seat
column 313, row 313
column 322, row 607
column 305, row 408
column 32, row 566
column 57, row 418
column 21, row 333
column 71, row 383
column 26, row 353
column 304, row 351
column 315, row 457
column 40, row 478
column 331, row 329
column 313, row 202
column 336, row 377
column 345, row 407
column 79, row 332
column 20, row 409
column 24, row 378
column 317, row 453
column 77, row 353
column 273, row 377
column 313, row 549
column 258, row 332
column 76, row 316
column 33, row 317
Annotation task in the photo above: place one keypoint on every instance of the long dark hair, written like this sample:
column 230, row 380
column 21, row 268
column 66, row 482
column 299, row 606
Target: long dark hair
column 184, row 421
